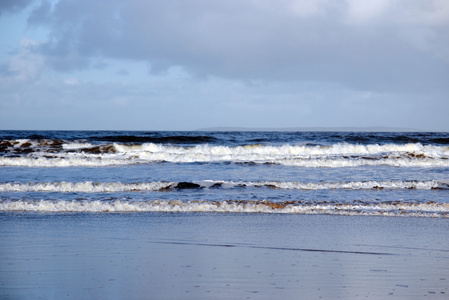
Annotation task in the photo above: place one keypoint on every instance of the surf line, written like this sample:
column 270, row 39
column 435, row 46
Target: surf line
column 273, row 248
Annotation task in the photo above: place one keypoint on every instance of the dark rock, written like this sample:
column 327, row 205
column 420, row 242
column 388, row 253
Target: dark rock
column 99, row 149
column 27, row 144
column 24, row 150
column 216, row 185
column 187, row 185
column 272, row 186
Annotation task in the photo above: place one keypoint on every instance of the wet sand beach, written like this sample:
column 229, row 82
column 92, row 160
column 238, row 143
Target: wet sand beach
column 221, row 256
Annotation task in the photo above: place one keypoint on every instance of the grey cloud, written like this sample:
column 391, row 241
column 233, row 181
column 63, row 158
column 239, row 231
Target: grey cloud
column 40, row 13
column 13, row 6
column 66, row 61
column 5, row 71
column 254, row 40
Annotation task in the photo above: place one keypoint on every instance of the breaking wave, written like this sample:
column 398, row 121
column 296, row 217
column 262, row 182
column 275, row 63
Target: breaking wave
column 334, row 156
column 111, row 187
column 390, row 208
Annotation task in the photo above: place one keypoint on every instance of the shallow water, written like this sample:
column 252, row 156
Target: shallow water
column 200, row 255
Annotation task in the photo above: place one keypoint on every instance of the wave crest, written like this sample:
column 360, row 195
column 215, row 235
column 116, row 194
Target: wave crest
column 110, row 187
column 429, row 209
column 335, row 156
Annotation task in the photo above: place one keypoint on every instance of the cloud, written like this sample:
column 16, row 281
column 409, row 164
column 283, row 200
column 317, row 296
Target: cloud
column 367, row 45
column 360, row 11
column 13, row 6
column 25, row 66
column 248, row 63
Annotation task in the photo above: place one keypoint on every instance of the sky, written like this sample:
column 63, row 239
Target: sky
column 184, row 65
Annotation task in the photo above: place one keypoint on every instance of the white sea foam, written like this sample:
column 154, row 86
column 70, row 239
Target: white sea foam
column 20, row 142
column 76, row 145
column 102, row 161
column 109, row 187
column 335, row 156
column 83, row 187
column 379, row 209
column 88, row 161
column 221, row 152
column 345, row 163
column 357, row 185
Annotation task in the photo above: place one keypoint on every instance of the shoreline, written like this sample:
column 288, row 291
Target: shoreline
column 222, row 255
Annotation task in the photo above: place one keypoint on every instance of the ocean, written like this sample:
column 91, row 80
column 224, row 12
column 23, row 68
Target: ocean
column 349, row 173
column 224, row 215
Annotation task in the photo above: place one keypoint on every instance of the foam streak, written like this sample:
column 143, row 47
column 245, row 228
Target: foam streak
column 292, row 207
column 110, row 187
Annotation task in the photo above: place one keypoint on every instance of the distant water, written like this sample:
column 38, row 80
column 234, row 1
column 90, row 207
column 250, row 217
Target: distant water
column 348, row 173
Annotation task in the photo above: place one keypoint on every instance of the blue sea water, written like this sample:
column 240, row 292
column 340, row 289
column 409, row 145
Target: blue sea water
column 223, row 215
column 348, row 173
